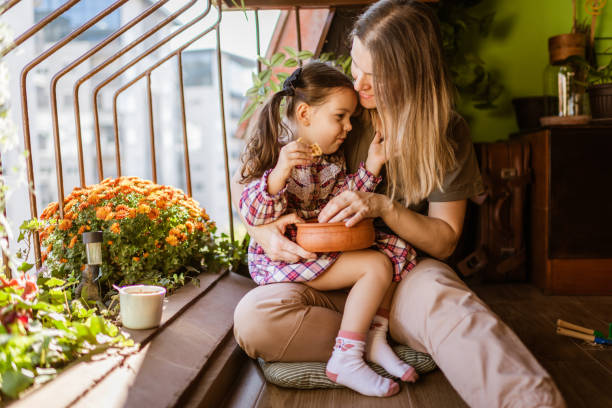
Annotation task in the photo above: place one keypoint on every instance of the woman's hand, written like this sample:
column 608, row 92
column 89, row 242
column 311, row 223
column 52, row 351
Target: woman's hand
column 377, row 155
column 354, row 206
column 277, row 246
column 291, row 155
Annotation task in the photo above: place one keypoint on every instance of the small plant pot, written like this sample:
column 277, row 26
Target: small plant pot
column 335, row 236
column 563, row 46
column 141, row 306
column 530, row 109
column 600, row 98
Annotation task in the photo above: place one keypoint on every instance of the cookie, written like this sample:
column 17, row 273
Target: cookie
column 315, row 149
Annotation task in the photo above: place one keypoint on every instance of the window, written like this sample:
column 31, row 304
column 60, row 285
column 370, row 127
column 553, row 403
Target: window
column 74, row 18
column 197, row 68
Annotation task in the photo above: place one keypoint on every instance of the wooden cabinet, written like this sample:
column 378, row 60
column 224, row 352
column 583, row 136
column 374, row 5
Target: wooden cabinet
column 570, row 216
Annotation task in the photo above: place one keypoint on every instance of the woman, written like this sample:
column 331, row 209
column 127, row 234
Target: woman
column 431, row 174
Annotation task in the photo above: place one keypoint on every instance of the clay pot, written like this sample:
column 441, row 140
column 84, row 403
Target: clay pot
column 335, row 236
column 563, row 46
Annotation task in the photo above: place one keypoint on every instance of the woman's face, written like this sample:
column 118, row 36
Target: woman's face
column 361, row 69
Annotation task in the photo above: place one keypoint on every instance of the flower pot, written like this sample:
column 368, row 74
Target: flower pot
column 530, row 109
column 563, row 46
column 335, row 236
column 141, row 306
column 600, row 97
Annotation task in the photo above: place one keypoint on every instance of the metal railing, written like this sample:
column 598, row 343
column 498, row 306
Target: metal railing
column 177, row 53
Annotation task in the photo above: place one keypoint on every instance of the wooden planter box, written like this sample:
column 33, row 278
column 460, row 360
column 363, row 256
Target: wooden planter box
column 190, row 360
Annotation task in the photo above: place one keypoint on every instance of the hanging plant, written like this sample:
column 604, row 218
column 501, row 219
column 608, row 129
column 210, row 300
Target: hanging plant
column 271, row 78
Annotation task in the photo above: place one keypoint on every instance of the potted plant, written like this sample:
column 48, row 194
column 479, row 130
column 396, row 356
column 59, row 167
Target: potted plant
column 600, row 91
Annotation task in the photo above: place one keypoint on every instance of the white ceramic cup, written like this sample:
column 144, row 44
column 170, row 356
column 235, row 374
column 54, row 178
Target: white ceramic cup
column 141, row 306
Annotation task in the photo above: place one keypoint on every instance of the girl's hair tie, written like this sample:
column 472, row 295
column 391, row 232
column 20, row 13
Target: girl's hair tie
column 291, row 82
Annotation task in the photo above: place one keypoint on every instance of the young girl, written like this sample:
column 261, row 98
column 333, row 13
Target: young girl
column 284, row 176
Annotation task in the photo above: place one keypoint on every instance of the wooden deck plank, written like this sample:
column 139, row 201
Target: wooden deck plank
column 580, row 369
column 161, row 372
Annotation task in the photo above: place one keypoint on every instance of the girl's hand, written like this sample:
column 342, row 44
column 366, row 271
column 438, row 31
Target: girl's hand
column 276, row 245
column 377, row 155
column 354, row 206
column 291, row 155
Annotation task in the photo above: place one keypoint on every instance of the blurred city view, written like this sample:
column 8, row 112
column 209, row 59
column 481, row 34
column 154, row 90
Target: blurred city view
column 200, row 76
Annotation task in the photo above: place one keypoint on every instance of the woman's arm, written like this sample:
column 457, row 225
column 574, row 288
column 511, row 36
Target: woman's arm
column 270, row 236
column 437, row 233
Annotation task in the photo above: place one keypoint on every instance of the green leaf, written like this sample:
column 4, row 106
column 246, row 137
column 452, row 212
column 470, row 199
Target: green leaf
column 53, row 282
column 282, row 76
column 291, row 51
column 15, row 381
column 303, row 55
column 24, row 267
column 252, row 91
column 264, row 76
column 264, row 61
column 291, row 62
column 248, row 112
column 277, row 59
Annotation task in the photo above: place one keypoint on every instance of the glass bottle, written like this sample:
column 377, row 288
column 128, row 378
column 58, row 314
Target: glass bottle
column 566, row 81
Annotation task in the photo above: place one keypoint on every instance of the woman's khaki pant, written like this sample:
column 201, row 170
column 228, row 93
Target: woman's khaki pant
column 432, row 311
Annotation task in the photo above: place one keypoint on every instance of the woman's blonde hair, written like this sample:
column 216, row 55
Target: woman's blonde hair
column 414, row 96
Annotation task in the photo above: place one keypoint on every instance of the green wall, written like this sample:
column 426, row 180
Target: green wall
column 517, row 52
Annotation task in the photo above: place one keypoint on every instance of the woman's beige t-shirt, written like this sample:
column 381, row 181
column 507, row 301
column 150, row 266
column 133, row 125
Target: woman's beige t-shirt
column 461, row 183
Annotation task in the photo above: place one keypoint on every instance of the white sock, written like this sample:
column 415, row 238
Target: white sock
column 379, row 351
column 346, row 367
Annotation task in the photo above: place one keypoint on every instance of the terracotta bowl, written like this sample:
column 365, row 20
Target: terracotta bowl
column 335, row 236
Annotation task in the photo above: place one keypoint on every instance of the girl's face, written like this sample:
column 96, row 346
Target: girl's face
column 361, row 69
column 328, row 124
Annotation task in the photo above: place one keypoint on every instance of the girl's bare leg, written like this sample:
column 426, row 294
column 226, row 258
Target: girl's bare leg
column 369, row 273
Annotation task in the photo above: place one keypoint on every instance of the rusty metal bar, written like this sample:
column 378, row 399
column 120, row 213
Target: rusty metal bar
column 5, row 259
column 184, row 120
column 77, row 62
column 122, row 70
column 116, row 129
column 36, row 27
column 149, row 70
column 257, row 40
column 4, row 7
column 26, row 118
column 224, row 134
column 298, row 33
column 151, row 129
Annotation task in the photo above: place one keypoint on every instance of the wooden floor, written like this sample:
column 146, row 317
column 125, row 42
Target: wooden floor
column 582, row 371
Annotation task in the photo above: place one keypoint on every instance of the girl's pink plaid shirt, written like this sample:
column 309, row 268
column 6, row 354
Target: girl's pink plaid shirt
column 306, row 192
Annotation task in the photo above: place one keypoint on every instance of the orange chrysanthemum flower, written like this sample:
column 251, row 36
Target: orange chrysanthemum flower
column 73, row 241
column 81, row 229
column 172, row 240
column 65, row 225
column 121, row 214
column 102, row 212
column 115, row 228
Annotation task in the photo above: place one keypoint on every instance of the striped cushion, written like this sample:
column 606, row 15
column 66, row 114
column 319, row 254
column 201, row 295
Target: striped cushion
column 309, row 375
